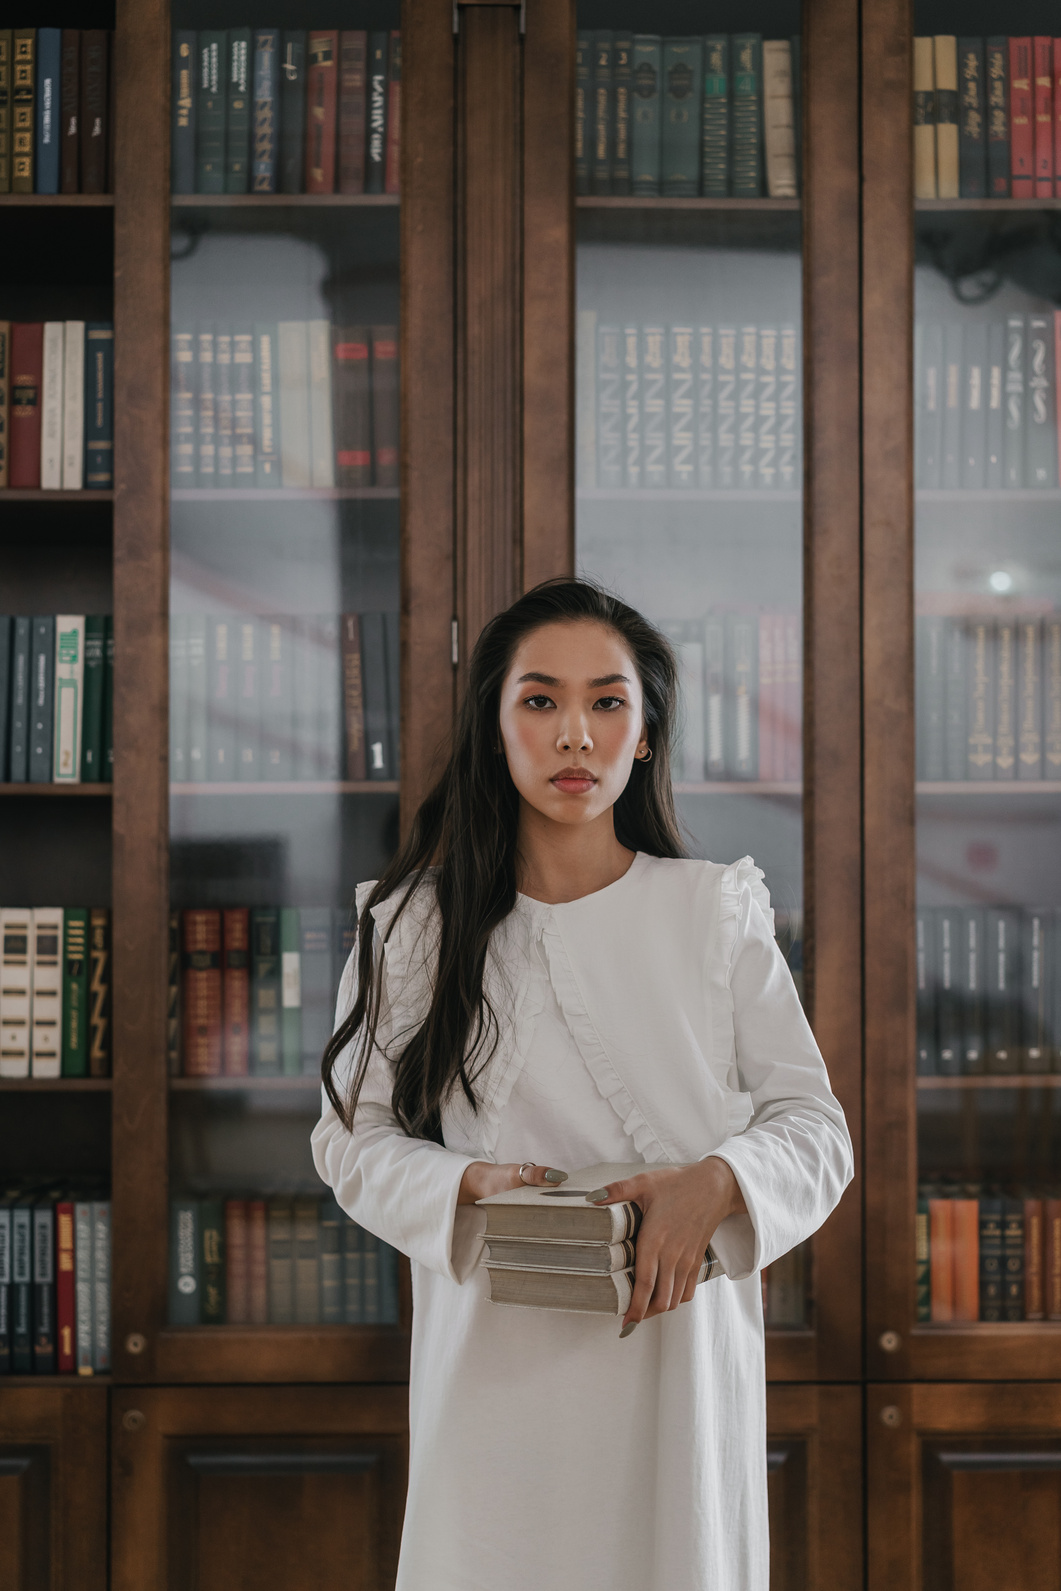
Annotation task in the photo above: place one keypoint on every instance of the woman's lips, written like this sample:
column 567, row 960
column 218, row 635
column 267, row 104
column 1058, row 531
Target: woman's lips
column 573, row 781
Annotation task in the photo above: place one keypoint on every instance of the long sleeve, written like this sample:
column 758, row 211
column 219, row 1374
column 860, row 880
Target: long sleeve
column 794, row 1159
column 403, row 1189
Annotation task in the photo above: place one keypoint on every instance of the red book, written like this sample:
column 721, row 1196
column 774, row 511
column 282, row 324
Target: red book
column 322, row 85
column 392, row 168
column 965, row 1216
column 353, row 103
column 1043, row 58
column 201, row 993
column 1021, row 124
column 1052, row 1256
column 237, row 1257
column 27, row 373
column 768, row 699
column 385, row 404
column 1033, row 1260
column 352, row 406
column 793, row 698
column 941, row 1259
column 257, row 1264
column 236, row 989
column 65, row 1318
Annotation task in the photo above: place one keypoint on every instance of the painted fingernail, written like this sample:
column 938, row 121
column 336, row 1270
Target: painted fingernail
column 596, row 1196
column 631, row 1326
column 556, row 1176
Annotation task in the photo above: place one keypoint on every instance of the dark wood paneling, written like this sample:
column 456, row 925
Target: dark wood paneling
column 282, row 1486
column 53, row 1488
column 236, row 1354
column 141, row 604
column 428, row 351
column 814, row 1459
column 548, row 293
column 964, row 1487
column 832, row 862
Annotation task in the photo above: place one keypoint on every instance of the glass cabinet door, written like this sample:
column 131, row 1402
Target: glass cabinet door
column 689, row 379
column 284, row 640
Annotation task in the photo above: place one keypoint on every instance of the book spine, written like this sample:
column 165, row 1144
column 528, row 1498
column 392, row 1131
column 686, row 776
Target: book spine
column 1015, row 415
column 924, row 119
column 726, row 408
column 322, row 442
column 996, row 64
column 980, row 699
column 767, row 406
column 44, row 1288
column 1055, row 49
column 995, row 432
column 22, row 1289
column 682, row 406
column 1034, row 971
column 747, row 407
column 747, row 166
column 925, row 963
column 197, row 697
column 742, row 657
column 183, row 407
column 99, row 992
column 27, row 371
column 681, row 106
column 704, row 355
column 352, row 404
column 83, row 1287
column 1005, row 704
column 108, row 699
column 265, row 991
column 257, row 1263
column 928, row 407
column 182, row 103
column 1029, row 699
column 266, row 408
column 248, row 700
column 237, row 1263
column 23, row 95
column 941, row 1260
column 185, row 1263
column 353, row 83
column 99, row 406
column 317, row 984
column 16, row 1001
column 922, row 1270
column 965, row 1215
column 1040, row 431
column 610, row 408
column 42, row 700
column 1002, row 991
column 1021, row 123
column 601, row 163
column 265, row 144
column 1052, row 701
column 238, row 110
column 68, row 703
column 767, row 697
column 95, row 109
column 292, row 110
column 583, row 79
column 1043, row 107
column 1012, row 1259
column 393, row 647
column 948, row 993
column 972, row 120
column 210, row 112
column 1052, row 1258
column 51, row 463
column 101, row 1286
column 6, row 69
column 73, row 422
column 293, row 363
column 353, row 698
column 206, row 429
column 974, row 409
column 386, row 390
column 622, row 93
column 586, row 399
column 307, row 1278
column 281, row 1272
column 201, row 993
column 945, row 57
column 370, row 1278
column 972, row 973
column 6, row 637
column 393, row 162
column 65, row 1308
column 212, row 1240
column 374, row 675
column 290, row 992
column 275, row 638
column 376, row 146
column 75, row 993
column 631, row 399
column 991, row 1282
column 930, row 678
column 645, row 134
column 235, row 990
column 779, row 127
column 49, row 67
column 243, row 473
column 952, row 407
column 715, row 116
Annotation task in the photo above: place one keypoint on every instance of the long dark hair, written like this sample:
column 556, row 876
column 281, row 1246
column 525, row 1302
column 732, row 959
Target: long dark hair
column 466, row 832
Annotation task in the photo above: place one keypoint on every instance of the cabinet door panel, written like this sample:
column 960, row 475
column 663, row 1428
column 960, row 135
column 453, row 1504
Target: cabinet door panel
column 53, row 1498
column 813, row 1455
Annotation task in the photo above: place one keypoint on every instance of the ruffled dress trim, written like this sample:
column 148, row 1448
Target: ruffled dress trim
column 736, row 879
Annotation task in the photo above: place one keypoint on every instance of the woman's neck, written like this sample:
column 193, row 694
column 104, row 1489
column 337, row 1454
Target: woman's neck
column 558, row 862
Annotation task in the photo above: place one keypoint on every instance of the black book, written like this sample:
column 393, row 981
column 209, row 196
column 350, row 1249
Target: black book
column 374, row 685
column 1002, row 990
column 1012, row 1259
column 1036, row 992
column 1014, row 401
column 972, row 121
column 990, row 1259
column 6, row 632
column 42, row 694
column 376, row 143
column 583, row 98
column 44, row 1289
column 622, row 109
column 996, row 83
column 948, row 991
column 292, row 109
column 602, row 132
column 22, row 1287
column 21, row 669
column 392, row 640
column 1040, row 420
column 971, row 974
column 925, row 942
column 182, row 103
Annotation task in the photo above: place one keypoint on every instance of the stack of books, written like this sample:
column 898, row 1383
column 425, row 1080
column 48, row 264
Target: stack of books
column 55, row 1269
column 57, row 404
column 55, row 110
column 56, row 698
column 55, row 991
column 547, row 1248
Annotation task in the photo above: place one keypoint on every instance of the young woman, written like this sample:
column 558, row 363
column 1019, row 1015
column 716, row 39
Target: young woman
column 543, row 982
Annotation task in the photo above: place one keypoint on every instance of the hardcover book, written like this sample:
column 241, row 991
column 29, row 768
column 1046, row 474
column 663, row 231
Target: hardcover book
column 265, row 131
column 292, row 110
column 681, row 101
column 972, row 121
column 646, row 129
column 238, row 112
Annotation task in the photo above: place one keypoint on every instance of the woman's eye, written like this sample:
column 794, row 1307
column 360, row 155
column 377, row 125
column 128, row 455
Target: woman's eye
column 610, row 703
column 539, row 703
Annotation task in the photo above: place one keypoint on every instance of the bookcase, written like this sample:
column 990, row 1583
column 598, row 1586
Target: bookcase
column 531, row 294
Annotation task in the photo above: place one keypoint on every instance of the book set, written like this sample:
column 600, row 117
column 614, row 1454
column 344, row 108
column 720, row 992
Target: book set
column 269, row 110
column 988, row 696
column 55, row 991
column 688, row 408
column 55, row 1270
column 742, row 687
column 252, row 989
column 303, row 697
column 988, row 991
column 716, row 117
column 986, row 1255
column 281, row 1261
column 987, row 117
column 56, row 698
column 57, row 405
column 985, row 407
column 295, row 404
column 55, row 110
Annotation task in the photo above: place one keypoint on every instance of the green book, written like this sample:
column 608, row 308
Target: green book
column 290, row 991
column 238, row 111
column 714, row 162
column 680, row 135
column 185, row 1263
column 647, row 64
column 331, row 1263
column 210, row 112
column 922, row 1263
column 92, row 698
column 212, row 1240
column 265, row 992
column 108, row 699
column 747, row 115
column 75, row 992
column 622, row 86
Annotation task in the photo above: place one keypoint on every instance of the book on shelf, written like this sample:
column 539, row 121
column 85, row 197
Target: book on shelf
column 55, row 993
column 984, row 1253
column 262, row 110
column 680, row 117
column 281, row 1260
column 56, row 683
column 55, row 129
column 61, row 406
column 55, row 1264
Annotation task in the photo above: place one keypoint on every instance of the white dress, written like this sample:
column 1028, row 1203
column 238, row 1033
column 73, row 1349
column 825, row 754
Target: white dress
column 545, row 1452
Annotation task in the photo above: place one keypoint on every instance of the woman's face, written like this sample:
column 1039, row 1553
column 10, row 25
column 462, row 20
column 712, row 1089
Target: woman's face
column 572, row 719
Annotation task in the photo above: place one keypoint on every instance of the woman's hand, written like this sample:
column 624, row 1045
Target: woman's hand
column 482, row 1178
column 681, row 1209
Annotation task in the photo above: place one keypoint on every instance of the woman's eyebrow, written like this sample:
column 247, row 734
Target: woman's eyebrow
column 609, row 679
column 537, row 679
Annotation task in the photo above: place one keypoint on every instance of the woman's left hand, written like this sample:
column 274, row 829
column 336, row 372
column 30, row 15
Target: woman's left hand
column 681, row 1209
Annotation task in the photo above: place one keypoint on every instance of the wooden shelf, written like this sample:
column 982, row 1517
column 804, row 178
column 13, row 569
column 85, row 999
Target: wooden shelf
column 282, row 1353
column 284, row 201
column 978, row 787
column 66, row 201
column 40, row 1382
column 229, row 1085
column 737, row 787
column 291, row 787
column 283, row 494
column 55, row 1085
column 661, row 202
column 1027, row 495
column 678, row 494
column 1016, row 1080
column 36, row 494
column 999, row 206
column 56, row 789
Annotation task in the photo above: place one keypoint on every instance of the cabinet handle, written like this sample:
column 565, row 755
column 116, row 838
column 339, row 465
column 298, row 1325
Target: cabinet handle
column 891, row 1415
column 134, row 1419
column 890, row 1341
column 136, row 1342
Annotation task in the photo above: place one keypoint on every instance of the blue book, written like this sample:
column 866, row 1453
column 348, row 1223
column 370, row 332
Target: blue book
column 49, row 67
column 6, row 628
column 265, row 126
column 182, row 103
column 42, row 696
column 18, row 742
column 99, row 405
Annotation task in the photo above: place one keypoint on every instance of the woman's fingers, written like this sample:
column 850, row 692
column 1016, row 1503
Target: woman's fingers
column 535, row 1176
column 644, row 1283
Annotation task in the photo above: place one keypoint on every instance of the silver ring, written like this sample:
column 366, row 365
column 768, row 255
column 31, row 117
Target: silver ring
column 526, row 1167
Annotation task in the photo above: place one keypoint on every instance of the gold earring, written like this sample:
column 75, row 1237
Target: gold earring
column 647, row 757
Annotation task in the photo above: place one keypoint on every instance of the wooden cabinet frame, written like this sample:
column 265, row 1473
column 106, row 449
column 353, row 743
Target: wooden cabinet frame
column 814, row 1461
column 53, row 1477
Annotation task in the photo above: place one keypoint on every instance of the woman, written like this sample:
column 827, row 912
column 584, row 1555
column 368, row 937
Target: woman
column 543, row 983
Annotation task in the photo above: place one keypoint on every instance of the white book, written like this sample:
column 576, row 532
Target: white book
column 52, row 408
column 322, row 446
column 69, row 695
column 83, row 1269
column 779, row 125
column 293, row 360
column 46, row 975
column 74, row 406
column 16, row 990
column 101, row 1286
